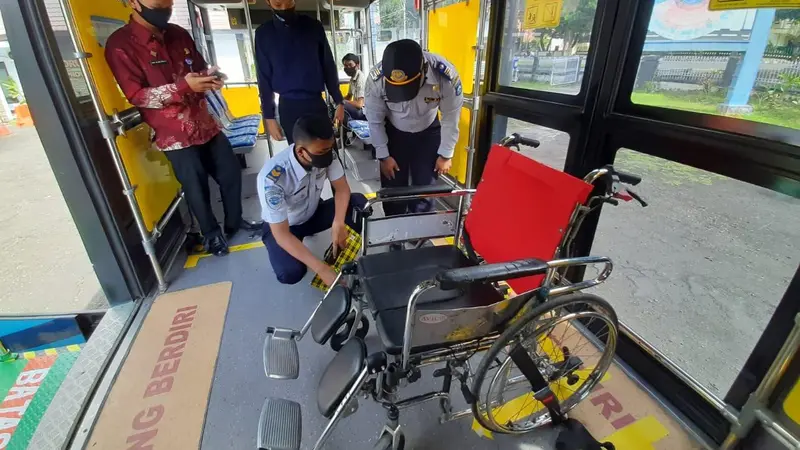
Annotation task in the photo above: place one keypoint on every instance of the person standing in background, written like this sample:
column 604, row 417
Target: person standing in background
column 294, row 60
column 160, row 71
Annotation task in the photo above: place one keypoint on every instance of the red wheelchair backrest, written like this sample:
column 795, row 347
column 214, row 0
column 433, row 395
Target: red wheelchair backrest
column 521, row 210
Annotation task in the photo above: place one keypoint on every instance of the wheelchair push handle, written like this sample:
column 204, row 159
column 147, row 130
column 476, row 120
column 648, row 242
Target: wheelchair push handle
column 516, row 139
column 627, row 178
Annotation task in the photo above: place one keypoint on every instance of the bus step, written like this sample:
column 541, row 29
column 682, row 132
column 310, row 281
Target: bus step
column 281, row 359
column 280, row 425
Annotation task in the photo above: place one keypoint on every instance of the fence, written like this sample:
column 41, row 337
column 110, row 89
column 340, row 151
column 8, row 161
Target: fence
column 715, row 70
column 552, row 70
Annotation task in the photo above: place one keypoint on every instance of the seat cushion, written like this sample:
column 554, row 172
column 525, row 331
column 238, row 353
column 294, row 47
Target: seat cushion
column 340, row 375
column 390, row 278
column 391, row 323
column 331, row 314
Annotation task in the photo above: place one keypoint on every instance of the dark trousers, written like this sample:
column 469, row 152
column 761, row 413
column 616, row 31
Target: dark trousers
column 416, row 155
column 192, row 167
column 354, row 113
column 290, row 109
column 289, row 270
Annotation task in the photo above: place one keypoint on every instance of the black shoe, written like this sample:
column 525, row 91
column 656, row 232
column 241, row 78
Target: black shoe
column 246, row 225
column 217, row 246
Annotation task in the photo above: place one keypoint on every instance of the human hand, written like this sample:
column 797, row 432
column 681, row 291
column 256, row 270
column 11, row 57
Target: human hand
column 339, row 236
column 200, row 83
column 443, row 165
column 338, row 118
column 389, row 167
column 327, row 275
column 274, row 130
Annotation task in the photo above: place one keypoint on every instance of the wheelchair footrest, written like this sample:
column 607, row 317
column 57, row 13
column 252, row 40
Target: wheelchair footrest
column 281, row 358
column 280, row 425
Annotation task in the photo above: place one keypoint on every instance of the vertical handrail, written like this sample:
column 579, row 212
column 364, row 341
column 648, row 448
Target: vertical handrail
column 476, row 94
column 106, row 128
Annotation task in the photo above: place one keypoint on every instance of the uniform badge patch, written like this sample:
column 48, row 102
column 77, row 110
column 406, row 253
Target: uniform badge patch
column 274, row 196
column 276, row 173
column 377, row 72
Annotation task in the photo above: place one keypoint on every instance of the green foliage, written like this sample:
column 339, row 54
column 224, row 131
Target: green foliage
column 575, row 25
column 13, row 89
column 792, row 15
column 391, row 12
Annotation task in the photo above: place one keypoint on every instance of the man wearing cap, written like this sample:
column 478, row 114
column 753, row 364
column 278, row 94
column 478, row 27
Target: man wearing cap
column 404, row 95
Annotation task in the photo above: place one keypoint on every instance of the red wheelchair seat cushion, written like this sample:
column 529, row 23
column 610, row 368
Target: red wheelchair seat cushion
column 521, row 210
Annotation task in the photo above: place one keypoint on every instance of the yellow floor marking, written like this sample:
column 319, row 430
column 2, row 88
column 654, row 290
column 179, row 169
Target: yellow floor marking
column 29, row 355
column 640, row 435
column 526, row 405
column 74, row 348
column 50, row 352
column 192, row 260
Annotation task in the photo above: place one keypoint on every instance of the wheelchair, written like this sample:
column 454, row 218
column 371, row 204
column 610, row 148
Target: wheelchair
column 493, row 309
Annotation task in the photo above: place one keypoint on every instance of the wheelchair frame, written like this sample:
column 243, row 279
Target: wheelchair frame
column 372, row 378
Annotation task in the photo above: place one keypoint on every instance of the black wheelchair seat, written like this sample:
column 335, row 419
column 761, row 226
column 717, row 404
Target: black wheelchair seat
column 340, row 375
column 390, row 278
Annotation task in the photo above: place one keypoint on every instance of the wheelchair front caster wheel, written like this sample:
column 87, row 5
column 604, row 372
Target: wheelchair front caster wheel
column 389, row 442
column 338, row 340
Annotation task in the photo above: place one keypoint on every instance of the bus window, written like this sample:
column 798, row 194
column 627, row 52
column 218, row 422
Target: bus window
column 554, row 143
column 45, row 268
column 232, row 48
column 742, row 63
column 544, row 53
column 392, row 21
column 699, row 272
column 385, row 36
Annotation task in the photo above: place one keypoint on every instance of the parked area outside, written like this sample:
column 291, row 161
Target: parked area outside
column 695, row 273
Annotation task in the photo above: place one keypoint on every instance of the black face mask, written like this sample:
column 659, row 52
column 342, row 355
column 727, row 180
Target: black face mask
column 287, row 16
column 157, row 17
column 320, row 161
column 350, row 71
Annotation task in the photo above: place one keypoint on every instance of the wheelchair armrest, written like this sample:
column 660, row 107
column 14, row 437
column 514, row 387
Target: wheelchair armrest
column 489, row 273
column 405, row 191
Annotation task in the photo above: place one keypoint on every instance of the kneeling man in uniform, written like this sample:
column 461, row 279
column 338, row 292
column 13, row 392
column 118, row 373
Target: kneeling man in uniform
column 289, row 187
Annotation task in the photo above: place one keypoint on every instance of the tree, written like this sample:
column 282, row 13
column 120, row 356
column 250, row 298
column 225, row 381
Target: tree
column 575, row 26
column 792, row 15
column 391, row 12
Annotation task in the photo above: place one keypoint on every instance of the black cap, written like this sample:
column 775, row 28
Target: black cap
column 402, row 70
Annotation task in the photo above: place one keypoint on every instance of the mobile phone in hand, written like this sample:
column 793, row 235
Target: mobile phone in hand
column 219, row 75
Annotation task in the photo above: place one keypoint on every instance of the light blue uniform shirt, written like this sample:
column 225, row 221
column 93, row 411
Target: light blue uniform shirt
column 441, row 92
column 288, row 191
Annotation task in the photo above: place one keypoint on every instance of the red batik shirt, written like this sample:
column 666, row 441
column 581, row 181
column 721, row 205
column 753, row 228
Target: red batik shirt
column 151, row 69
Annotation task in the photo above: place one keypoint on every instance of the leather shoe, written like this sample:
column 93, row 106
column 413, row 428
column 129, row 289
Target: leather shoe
column 246, row 225
column 217, row 246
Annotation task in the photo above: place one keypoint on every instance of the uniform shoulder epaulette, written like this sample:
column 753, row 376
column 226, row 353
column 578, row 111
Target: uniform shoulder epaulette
column 450, row 74
column 276, row 173
column 377, row 72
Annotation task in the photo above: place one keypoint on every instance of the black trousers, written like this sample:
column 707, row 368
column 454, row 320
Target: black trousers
column 354, row 113
column 289, row 270
column 290, row 109
column 192, row 167
column 416, row 155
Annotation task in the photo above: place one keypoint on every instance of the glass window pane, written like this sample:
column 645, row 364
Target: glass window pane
column 699, row 272
column 540, row 56
column 44, row 267
column 739, row 63
column 554, row 143
column 393, row 20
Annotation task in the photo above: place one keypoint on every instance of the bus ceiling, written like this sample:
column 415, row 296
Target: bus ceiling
column 301, row 5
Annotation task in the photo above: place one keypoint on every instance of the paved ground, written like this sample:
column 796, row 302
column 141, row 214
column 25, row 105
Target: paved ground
column 698, row 272
column 44, row 267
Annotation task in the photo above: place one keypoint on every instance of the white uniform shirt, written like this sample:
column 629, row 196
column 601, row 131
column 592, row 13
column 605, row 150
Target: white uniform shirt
column 290, row 192
column 441, row 92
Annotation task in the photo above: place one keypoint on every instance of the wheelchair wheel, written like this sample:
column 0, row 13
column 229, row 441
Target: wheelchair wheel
column 338, row 340
column 571, row 340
